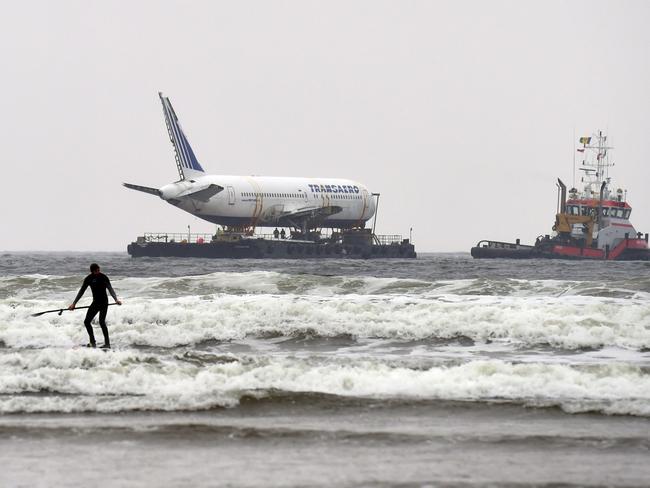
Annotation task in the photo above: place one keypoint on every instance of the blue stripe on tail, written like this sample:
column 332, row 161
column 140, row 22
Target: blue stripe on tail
column 184, row 153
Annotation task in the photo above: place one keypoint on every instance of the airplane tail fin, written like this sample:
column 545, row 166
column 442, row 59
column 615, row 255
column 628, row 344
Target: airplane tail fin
column 186, row 162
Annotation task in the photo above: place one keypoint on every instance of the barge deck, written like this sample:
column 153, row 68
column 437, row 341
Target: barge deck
column 357, row 244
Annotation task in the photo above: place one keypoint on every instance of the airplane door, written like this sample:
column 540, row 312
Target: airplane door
column 231, row 195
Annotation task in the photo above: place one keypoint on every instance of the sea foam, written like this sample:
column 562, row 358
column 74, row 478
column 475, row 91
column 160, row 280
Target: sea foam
column 90, row 380
column 566, row 322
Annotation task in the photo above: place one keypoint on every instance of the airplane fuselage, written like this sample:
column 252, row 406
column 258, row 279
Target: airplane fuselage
column 272, row 201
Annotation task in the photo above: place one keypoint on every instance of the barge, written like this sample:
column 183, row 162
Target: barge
column 591, row 224
column 349, row 244
column 241, row 204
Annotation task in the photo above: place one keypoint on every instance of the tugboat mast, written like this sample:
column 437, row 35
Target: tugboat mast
column 595, row 165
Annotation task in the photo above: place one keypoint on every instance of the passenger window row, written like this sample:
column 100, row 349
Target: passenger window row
column 299, row 195
column 272, row 195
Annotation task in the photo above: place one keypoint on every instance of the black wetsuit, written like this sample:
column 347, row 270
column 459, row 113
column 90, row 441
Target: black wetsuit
column 98, row 284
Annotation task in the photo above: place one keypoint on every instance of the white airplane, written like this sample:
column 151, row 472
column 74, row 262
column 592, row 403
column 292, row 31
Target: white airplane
column 250, row 201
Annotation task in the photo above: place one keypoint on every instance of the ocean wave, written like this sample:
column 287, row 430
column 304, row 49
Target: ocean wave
column 33, row 287
column 89, row 380
column 206, row 427
column 565, row 322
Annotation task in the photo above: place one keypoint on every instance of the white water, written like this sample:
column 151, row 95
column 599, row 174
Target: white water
column 90, row 380
column 568, row 322
column 209, row 340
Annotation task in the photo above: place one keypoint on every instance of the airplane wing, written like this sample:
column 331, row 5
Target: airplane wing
column 203, row 193
column 307, row 216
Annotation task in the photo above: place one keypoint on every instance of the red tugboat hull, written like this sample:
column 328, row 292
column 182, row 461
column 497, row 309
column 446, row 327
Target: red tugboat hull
column 627, row 250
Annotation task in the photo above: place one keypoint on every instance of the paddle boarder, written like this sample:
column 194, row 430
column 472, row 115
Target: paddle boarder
column 98, row 283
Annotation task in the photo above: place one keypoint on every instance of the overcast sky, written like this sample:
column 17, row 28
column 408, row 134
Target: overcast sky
column 462, row 114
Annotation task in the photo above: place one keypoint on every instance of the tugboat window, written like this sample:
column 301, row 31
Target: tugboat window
column 627, row 213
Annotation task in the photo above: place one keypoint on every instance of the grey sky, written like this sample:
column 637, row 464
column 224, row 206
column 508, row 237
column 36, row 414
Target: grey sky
column 460, row 113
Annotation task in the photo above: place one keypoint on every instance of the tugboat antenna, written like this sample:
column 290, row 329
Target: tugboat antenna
column 573, row 185
column 596, row 162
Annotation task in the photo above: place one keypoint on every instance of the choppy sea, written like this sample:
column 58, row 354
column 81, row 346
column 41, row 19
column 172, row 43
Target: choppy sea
column 442, row 370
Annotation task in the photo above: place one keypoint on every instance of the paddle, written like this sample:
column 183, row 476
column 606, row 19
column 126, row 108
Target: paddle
column 61, row 310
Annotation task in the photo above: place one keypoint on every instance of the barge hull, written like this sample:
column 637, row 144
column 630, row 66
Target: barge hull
column 271, row 249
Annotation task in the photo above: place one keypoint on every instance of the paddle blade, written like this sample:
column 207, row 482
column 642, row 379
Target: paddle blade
column 38, row 314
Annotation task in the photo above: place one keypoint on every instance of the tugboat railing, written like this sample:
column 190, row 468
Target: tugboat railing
column 501, row 245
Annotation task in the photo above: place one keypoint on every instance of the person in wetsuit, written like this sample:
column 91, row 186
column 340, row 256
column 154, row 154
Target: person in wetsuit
column 98, row 283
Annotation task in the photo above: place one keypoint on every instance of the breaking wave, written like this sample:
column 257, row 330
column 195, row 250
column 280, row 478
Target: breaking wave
column 210, row 341
column 89, row 380
column 566, row 322
column 31, row 287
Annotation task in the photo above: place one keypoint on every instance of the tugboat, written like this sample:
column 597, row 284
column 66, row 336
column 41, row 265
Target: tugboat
column 591, row 224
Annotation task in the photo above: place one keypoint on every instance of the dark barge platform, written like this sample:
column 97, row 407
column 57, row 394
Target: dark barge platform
column 357, row 244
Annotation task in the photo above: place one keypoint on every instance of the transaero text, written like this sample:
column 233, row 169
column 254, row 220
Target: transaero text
column 333, row 189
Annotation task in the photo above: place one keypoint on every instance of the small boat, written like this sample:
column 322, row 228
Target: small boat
column 590, row 224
